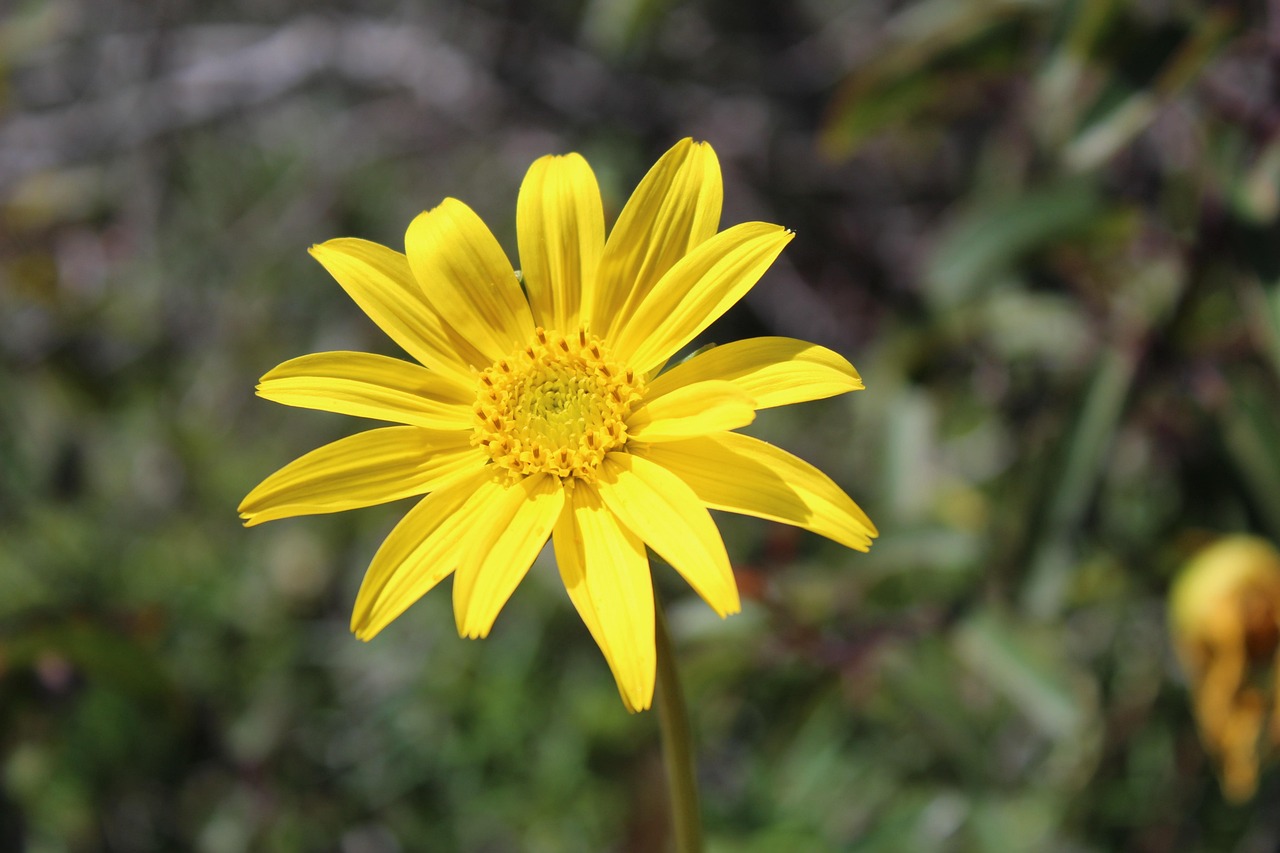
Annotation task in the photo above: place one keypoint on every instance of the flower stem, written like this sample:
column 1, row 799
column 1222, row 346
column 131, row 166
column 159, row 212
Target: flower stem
column 677, row 744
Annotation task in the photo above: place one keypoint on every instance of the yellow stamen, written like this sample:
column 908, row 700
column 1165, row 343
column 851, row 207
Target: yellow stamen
column 556, row 406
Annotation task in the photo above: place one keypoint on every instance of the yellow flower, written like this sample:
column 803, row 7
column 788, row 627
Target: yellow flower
column 541, row 412
column 1224, row 614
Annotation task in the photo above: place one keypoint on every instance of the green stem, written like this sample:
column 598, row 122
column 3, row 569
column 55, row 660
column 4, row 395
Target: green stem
column 677, row 744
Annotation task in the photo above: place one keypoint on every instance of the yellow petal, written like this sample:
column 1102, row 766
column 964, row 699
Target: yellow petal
column 371, row 386
column 422, row 550
column 560, row 228
column 656, row 506
column 364, row 469
column 772, row 371
column 513, row 530
column 606, row 571
column 571, row 558
column 737, row 473
column 468, row 280
column 379, row 281
column 696, row 291
column 675, row 207
column 690, row 410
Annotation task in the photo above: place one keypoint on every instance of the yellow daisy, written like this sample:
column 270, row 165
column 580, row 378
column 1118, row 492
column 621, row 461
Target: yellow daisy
column 541, row 413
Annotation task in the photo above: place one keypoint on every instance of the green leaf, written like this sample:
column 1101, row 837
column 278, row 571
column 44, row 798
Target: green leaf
column 1028, row 671
column 992, row 237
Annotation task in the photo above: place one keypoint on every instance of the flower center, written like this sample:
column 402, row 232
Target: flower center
column 556, row 407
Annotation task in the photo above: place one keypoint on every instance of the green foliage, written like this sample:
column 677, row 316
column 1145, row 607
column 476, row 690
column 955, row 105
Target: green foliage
column 1045, row 233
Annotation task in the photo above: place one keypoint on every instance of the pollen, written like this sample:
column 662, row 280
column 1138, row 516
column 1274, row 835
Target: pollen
column 556, row 406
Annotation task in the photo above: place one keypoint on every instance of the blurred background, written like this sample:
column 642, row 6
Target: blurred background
column 1045, row 232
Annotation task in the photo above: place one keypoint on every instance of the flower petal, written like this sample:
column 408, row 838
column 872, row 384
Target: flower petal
column 772, row 371
column 571, row 558
column 606, row 571
column 675, row 207
column 696, row 291
column 468, row 280
column 690, row 410
column 364, row 469
column 379, row 281
column 505, row 541
column 560, row 229
column 738, row 473
column 656, row 506
column 371, row 386
column 422, row 550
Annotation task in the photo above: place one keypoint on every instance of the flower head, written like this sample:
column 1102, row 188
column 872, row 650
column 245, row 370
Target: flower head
column 1224, row 614
column 541, row 412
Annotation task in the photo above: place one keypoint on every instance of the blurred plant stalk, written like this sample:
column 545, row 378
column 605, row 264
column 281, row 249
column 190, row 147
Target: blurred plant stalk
column 677, row 743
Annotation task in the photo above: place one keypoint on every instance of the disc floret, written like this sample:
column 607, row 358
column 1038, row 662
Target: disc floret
column 556, row 406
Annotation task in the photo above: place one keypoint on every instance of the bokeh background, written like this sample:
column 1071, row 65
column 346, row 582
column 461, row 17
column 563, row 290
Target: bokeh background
column 1045, row 232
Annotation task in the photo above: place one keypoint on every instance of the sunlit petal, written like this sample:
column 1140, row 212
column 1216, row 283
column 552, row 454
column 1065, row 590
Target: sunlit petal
column 361, row 470
column 659, row 508
column 741, row 474
column 468, row 280
column 606, row 571
column 515, row 526
column 422, row 550
column 371, row 386
column 675, row 208
column 571, row 558
column 560, row 227
column 378, row 279
column 695, row 409
column 696, row 291
column 772, row 371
